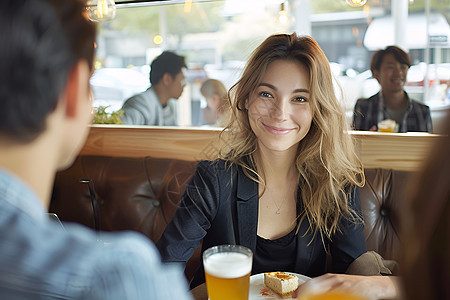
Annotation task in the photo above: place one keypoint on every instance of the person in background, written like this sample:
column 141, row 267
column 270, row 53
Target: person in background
column 157, row 105
column 390, row 67
column 285, row 185
column 426, row 227
column 216, row 95
column 46, row 59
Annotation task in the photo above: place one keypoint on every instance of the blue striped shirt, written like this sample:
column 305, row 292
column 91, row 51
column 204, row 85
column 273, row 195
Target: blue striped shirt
column 40, row 260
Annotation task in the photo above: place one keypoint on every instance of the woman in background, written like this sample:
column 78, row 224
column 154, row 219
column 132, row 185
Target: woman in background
column 285, row 184
column 216, row 95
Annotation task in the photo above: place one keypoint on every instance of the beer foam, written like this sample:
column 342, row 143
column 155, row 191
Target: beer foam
column 228, row 265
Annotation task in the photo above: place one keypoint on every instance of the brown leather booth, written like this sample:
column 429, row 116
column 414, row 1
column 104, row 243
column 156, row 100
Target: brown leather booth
column 381, row 202
column 141, row 194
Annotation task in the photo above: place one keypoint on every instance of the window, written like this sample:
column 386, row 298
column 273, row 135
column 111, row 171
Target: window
column 216, row 37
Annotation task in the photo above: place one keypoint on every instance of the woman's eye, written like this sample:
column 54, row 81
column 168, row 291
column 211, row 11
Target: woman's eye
column 300, row 99
column 265, row 94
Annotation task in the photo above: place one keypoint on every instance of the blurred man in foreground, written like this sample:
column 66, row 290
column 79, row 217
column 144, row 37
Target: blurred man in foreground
column 45, row 61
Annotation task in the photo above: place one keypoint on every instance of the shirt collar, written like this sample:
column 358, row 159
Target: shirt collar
column 381, row 102
column 14, row 191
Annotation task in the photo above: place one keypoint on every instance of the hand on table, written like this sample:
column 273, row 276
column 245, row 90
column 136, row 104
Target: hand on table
column 370, row 287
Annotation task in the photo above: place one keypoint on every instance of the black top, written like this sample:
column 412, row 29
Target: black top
column 275, row 255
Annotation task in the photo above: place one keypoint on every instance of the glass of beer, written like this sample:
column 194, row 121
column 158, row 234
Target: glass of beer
column 227, row 272
column 387, row 126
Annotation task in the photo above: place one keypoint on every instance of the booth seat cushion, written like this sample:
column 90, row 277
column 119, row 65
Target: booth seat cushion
column 141, row 194
column 133, row 194
column 381, row 203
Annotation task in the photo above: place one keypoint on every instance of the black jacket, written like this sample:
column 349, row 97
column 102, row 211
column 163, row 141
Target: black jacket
column 220, row 206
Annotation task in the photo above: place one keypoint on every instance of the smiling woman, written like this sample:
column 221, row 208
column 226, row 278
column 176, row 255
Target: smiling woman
column 285, row 185
column 293, row 91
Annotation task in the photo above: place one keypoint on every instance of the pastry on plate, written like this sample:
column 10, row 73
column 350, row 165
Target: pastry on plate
column 282, row 283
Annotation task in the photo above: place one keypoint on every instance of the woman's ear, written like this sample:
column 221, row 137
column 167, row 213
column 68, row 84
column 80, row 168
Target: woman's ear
column 246, row 104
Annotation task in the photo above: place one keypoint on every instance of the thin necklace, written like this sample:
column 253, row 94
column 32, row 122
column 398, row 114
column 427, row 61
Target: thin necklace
column 278, row 211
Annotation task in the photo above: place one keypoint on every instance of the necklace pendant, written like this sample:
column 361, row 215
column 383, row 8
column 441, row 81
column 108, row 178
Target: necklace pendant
column 278, row 212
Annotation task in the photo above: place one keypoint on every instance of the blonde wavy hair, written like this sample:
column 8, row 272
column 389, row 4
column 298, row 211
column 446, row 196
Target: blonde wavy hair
column 326, row 160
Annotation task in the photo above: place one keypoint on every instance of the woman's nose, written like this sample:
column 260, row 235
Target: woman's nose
column 279, row 109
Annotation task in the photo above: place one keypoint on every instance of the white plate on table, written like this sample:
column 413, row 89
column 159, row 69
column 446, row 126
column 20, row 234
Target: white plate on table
column 258, row 289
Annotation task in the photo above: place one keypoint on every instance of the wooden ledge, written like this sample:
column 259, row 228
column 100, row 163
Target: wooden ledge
column 400, row 151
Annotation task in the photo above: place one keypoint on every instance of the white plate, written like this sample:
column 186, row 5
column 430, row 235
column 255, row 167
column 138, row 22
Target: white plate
column 258, row 290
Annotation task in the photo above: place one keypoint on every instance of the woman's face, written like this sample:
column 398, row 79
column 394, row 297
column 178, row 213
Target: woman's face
column 279, row 109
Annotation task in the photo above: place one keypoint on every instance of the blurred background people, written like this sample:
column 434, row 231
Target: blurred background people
column 46, row 58
column 390, row 67
column 426, row 228
column 157, row 105
column 216, row 95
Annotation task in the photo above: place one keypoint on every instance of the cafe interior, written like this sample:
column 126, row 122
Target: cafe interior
column 131, row 177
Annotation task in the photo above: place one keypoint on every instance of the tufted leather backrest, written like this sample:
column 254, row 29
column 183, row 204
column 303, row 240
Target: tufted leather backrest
column 137, row 194
column 381, row 200
column 141, row 194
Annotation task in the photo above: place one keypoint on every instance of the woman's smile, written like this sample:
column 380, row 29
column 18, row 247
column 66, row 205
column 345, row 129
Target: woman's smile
column 277, row 130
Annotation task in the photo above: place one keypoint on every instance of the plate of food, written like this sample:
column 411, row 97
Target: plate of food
column 274, row 285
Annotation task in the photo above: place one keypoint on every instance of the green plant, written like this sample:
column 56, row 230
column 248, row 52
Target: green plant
column 104, row 117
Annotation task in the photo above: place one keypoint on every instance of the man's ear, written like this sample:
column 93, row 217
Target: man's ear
column 167, row 79
column 76, row 87
column 376, row 75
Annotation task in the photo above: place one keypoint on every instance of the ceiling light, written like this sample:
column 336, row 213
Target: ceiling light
column 283, row 16
column 101, row 10
column 356, row 3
